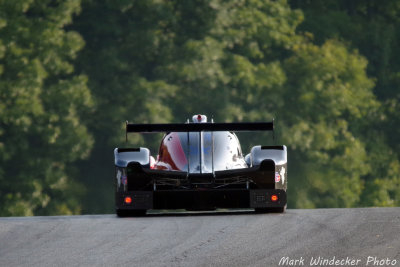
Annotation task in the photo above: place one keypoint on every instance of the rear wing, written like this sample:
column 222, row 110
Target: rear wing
column 199, row 127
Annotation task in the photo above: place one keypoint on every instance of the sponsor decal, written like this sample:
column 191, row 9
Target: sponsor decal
column 124, row 180
column 277, row 177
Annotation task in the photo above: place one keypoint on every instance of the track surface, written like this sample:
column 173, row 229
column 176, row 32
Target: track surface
column 206, row 239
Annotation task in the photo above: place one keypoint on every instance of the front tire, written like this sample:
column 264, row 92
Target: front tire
column 270, row 210
column 130, row 213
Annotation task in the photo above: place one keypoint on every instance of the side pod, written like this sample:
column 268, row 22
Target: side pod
column 277, row 154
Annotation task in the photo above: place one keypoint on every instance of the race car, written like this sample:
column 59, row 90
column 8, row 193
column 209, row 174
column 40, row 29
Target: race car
column 200, row 166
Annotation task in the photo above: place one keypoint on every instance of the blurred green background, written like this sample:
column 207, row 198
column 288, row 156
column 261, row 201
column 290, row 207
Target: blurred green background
column 72, row 72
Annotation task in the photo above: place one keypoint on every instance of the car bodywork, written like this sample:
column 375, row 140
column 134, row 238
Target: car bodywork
column 200, row 166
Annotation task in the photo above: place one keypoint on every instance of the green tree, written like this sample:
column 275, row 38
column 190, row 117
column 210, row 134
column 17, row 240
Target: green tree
column 41, row 100
column 126, row 42
column 328, row 88
column 237, row 61
column 371, row 28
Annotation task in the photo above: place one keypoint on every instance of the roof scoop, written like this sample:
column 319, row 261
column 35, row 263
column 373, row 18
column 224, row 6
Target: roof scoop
column 199, row 118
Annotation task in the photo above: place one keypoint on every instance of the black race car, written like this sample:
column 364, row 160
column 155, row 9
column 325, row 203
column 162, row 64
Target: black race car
column 200, row 166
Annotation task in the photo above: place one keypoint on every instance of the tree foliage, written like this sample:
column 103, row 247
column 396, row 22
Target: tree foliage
column 40, row 102
column 370, row 27
column 329, row 89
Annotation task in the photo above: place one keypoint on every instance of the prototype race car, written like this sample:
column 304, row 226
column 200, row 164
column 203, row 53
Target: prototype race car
column 200, row 166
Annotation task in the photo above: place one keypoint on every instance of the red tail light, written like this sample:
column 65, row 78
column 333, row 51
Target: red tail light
column 274, row 198
column 128, row 200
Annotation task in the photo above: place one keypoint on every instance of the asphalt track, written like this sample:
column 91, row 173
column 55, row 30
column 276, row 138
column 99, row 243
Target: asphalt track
column 205, row 239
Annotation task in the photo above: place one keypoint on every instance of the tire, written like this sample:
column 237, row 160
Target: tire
column 270, row 210
column 130, row 213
